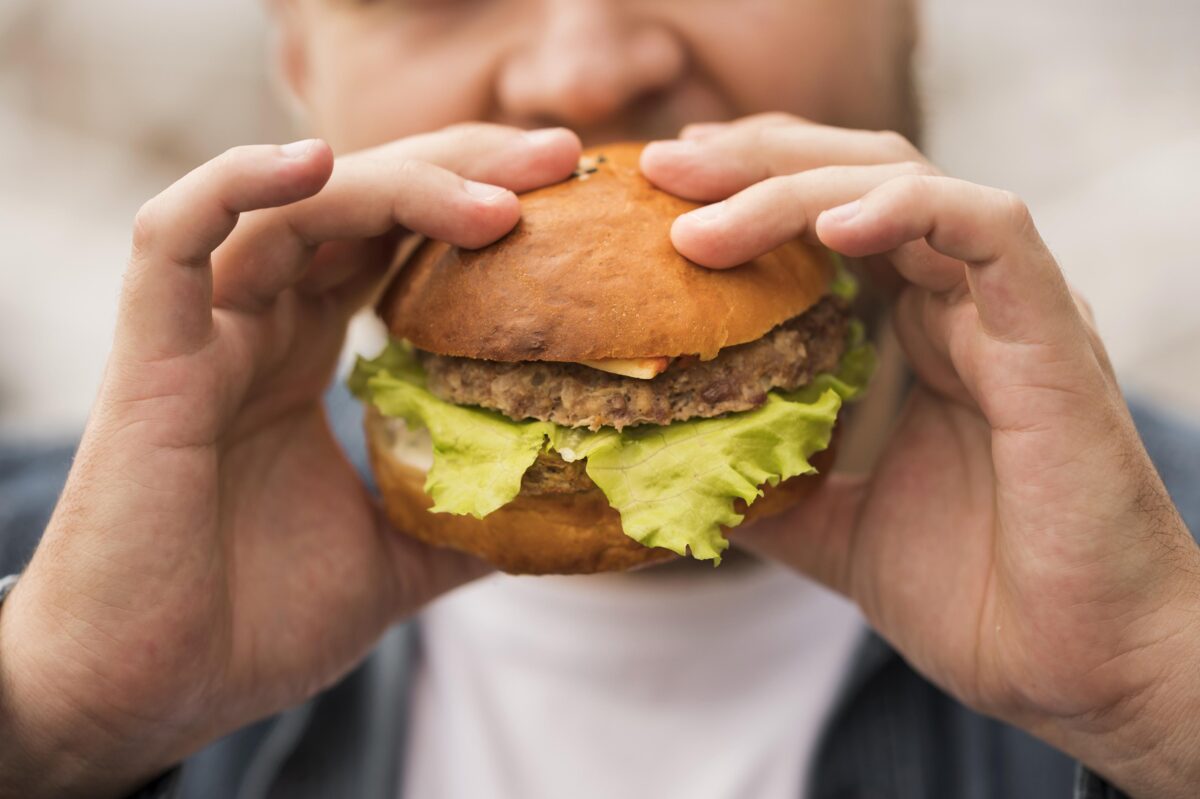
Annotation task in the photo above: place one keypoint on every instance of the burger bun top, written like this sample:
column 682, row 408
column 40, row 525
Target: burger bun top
column 589, row 273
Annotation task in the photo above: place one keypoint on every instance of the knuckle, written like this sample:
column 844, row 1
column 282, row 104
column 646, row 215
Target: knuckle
column 460, row 128
column 896, row 146
column 1085, row 307
column 409, row 170
column 917, row 167
column 915, row 185
column 794, row 191
column 1016, row 211
column 784, row 184
column 233, row 154
column 461, row 131
column 694, row 127
column 776, row 118
column 145, row 226
column 775, row 190
column 228, row 164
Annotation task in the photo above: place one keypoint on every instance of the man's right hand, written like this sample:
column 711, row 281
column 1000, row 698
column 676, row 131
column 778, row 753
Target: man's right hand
column 214, row 558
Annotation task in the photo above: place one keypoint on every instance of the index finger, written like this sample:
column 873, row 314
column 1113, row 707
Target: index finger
column 768, row 214
column 406, row 184
column 724, row 162
column 361, row 199
column 989, row 241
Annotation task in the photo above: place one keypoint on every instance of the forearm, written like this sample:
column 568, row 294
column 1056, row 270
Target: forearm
column 1149, row 744
column 46, row 750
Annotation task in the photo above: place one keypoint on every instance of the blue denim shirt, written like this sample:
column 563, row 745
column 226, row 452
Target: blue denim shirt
column 893, row 734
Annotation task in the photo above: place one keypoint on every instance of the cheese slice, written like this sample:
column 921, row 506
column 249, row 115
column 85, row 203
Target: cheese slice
column 641, row 368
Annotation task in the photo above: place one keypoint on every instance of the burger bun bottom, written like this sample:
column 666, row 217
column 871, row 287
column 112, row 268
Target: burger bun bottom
column 576, row 533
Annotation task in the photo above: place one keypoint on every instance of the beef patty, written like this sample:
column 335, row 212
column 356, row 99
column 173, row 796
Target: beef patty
column 573, row 395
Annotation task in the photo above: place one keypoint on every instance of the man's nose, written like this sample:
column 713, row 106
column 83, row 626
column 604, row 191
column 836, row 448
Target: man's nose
column 586, row 61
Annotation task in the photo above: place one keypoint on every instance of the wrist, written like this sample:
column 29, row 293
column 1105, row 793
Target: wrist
column 52, row 747
column 1148, row 743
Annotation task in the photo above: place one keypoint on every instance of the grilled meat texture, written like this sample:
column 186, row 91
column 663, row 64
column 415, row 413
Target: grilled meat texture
column 574, row 395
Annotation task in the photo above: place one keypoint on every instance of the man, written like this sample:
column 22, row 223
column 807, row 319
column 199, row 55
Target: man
column 214, row 558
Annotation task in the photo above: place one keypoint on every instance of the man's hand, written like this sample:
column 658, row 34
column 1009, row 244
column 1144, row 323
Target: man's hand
column 1014, row 541
column 214, row 557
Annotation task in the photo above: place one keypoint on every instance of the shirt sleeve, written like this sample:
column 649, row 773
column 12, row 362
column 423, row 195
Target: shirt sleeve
column 6, row 586
column 1090, row 785
column 165, row 787
column 31, row 478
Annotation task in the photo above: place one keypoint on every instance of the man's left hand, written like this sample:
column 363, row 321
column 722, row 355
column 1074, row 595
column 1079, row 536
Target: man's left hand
column 1013, row 541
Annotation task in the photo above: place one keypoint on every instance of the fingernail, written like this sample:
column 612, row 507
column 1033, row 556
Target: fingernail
column 542, row 136
column 297, row 149
column 707, row 214
column 843, row 213
column 483, row 191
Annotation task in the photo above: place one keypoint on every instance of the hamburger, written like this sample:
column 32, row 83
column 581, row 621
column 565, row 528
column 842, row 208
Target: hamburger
column 578, row 397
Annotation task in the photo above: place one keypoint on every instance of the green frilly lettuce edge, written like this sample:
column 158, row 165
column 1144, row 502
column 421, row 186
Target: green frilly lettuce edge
column 675, row 486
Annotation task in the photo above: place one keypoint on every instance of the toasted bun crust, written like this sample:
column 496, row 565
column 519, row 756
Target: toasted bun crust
column 590, row 273
column 538, row 534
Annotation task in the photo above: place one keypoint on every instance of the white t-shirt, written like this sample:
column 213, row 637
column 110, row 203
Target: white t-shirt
column 703, row 683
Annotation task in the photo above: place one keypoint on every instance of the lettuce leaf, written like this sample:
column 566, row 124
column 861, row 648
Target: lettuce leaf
column 845, row 284
column 479, row 456
column 674, row 485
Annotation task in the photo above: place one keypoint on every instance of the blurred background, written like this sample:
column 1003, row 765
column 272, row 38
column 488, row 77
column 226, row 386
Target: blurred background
column 1090, row 109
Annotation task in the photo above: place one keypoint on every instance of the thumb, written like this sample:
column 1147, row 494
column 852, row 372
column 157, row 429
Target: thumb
column 815, row 537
